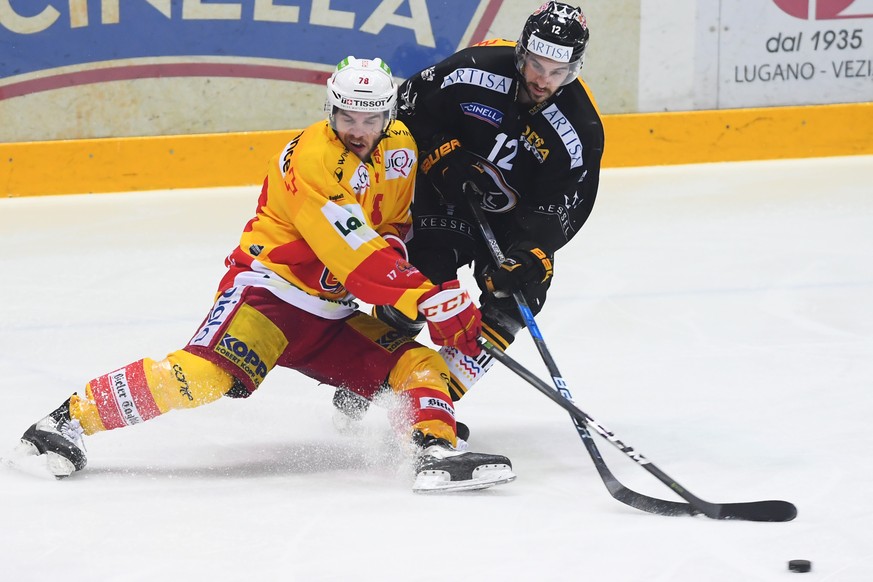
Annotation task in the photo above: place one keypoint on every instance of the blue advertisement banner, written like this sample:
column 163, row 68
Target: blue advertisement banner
column 224, row 37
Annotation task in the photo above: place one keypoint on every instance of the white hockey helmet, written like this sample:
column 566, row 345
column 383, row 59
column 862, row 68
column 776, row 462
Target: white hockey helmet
column 362, row 85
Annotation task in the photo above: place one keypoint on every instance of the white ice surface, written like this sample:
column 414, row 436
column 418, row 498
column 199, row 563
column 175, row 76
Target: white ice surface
column 718, row 318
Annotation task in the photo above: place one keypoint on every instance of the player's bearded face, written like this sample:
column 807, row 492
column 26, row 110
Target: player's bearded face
column 359, row 131
column 542, row 77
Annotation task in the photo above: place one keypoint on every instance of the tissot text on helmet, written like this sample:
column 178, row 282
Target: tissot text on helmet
column 355, row 104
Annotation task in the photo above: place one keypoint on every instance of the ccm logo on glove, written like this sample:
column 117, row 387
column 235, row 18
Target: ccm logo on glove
column 448, row 308
column 452, row 317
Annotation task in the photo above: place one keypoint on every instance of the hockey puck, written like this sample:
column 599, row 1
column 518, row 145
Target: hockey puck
column 800, row 565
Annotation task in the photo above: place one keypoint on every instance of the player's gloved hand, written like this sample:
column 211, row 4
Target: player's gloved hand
column 452, row 317
column 448, row 166
column 525, row 263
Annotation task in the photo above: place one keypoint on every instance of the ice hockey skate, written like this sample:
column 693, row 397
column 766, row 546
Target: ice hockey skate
column 348, row 410
column 441, row 468
column 54, row 444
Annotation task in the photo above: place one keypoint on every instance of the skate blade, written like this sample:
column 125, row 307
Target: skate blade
column 25, row 458
column 483, row 478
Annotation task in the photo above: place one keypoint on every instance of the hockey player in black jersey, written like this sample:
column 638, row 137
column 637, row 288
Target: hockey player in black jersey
column 516, row 119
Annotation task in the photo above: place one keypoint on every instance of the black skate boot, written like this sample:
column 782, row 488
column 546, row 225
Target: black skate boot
column 441, row 468
column 463, row 433
column 350, row 404
column 58, row 438
column 349, row 409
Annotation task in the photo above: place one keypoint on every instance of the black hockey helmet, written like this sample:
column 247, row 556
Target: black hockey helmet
column 556, row 31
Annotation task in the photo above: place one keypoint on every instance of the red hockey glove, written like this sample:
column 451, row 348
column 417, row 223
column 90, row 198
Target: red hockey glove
column 448, row 165
column 526, row 263
column 452, row 317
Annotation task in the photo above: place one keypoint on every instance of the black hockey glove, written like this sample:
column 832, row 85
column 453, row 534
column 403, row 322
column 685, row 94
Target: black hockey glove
column 525, row 263
column 448, row 166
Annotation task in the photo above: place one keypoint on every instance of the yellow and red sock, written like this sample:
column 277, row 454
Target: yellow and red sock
column 148, row 388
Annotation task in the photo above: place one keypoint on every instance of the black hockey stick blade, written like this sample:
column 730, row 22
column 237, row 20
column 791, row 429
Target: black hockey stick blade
column 772, row 511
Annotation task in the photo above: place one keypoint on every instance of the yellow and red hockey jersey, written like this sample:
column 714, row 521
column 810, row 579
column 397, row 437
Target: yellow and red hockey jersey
column 316, row 240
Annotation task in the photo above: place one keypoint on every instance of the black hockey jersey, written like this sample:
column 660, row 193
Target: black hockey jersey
column 548, row 153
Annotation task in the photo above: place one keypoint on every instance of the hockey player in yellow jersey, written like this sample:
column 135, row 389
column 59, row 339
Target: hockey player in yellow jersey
column 330, row 226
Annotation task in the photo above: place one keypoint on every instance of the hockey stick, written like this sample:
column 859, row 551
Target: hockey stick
column 772, row 510
column 614, row 486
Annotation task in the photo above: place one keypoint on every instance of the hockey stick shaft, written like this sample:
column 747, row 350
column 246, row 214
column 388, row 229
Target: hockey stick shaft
column 524, row 309
column 581, row 417
column 754, row 511
column 613, row 486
